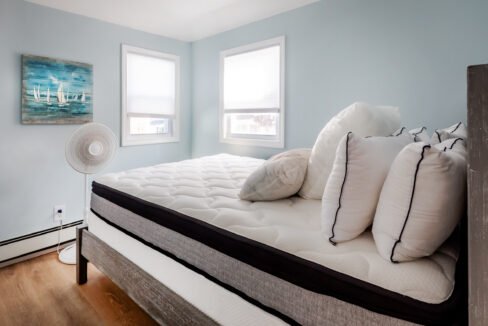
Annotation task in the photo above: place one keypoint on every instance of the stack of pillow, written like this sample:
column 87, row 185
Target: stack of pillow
column 411, row 188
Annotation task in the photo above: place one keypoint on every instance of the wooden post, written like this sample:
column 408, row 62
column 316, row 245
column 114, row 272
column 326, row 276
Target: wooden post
column 81, row 262
column 478, row 194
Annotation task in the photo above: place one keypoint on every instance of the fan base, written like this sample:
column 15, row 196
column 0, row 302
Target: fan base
column 68, row 255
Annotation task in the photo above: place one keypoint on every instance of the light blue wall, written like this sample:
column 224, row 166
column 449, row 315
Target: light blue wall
column 410, row 53
column 33, row 173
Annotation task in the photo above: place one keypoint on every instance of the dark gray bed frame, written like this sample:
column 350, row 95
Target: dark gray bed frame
column 166, row 307
column 478, row 194
column 160, row 302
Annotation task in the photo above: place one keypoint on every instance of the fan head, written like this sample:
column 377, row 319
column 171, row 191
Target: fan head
column 90, row 148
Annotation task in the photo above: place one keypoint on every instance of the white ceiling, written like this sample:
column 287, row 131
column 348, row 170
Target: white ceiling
column 186, row 20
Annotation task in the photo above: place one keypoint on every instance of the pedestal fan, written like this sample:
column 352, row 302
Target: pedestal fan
column 88, row 150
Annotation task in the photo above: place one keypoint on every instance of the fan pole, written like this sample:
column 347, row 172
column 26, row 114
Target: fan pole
column 88, row 149
column 68, row 254
column 85, row 201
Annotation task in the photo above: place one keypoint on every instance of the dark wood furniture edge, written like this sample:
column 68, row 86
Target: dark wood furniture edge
column 160, row 302
column 81, row 262
column 478, row 194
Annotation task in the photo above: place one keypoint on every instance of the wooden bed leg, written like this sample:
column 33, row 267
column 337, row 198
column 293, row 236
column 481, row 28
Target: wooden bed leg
column 81, row 262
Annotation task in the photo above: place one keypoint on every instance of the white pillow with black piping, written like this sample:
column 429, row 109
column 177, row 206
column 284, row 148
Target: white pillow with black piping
column 422, row 200
column 396, row 132
column 457, row 130
column 354, row 186
column 279, row 177
column 420, row 134
column 364, row 120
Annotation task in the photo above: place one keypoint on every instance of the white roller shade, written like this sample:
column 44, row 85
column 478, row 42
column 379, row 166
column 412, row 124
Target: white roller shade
column 252, row 79
column 151, row 85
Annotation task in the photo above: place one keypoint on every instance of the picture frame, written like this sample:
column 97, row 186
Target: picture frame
column 56, row 91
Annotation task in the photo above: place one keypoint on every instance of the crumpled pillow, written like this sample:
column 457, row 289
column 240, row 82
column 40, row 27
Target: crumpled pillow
column 279, row 177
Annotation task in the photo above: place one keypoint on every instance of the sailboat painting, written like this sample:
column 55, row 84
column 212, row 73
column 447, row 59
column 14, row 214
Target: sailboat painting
column 56, row 91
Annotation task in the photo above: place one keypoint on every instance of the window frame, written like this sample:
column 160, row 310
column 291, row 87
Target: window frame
column 249, row 139
column 132, row 140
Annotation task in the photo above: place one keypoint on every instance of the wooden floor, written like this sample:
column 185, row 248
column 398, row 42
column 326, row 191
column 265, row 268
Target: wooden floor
column 42, row 291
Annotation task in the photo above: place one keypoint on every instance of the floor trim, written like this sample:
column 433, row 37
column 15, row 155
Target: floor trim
column 35, row 244
column 34, row 254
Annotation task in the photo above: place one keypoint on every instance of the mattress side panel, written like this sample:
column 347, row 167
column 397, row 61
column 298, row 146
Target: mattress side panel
column 303, row 306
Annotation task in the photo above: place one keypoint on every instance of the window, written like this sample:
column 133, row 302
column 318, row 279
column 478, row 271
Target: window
column 252, row 80
column 150, row 96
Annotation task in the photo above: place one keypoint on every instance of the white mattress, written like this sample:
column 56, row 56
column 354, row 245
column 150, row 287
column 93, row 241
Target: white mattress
column 221, row 305
column 207, row 189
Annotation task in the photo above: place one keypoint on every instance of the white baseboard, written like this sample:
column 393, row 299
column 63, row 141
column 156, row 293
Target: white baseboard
column 35, row 244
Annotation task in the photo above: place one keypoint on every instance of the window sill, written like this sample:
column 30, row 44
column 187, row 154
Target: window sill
column 138, row 142
column 254, row 142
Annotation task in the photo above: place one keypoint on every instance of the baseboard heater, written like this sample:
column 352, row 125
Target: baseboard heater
column 35, row 244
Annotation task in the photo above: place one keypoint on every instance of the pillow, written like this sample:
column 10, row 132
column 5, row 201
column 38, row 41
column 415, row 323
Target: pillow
column 422, row 200
column 396, row 132
column 360, row 118
column 455, row 131
column 420, row 134
column 355, row 182
column 279, row 177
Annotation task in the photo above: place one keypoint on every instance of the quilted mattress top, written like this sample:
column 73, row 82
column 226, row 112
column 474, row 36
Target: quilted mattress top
column 207, row 189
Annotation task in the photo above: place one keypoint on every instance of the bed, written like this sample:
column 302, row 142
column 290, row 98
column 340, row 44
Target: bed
column 199, row 255
column 205, row 268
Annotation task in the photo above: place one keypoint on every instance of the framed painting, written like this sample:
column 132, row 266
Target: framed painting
column 56, row 91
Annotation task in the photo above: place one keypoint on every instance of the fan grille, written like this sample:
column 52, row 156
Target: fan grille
column 90, row 148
